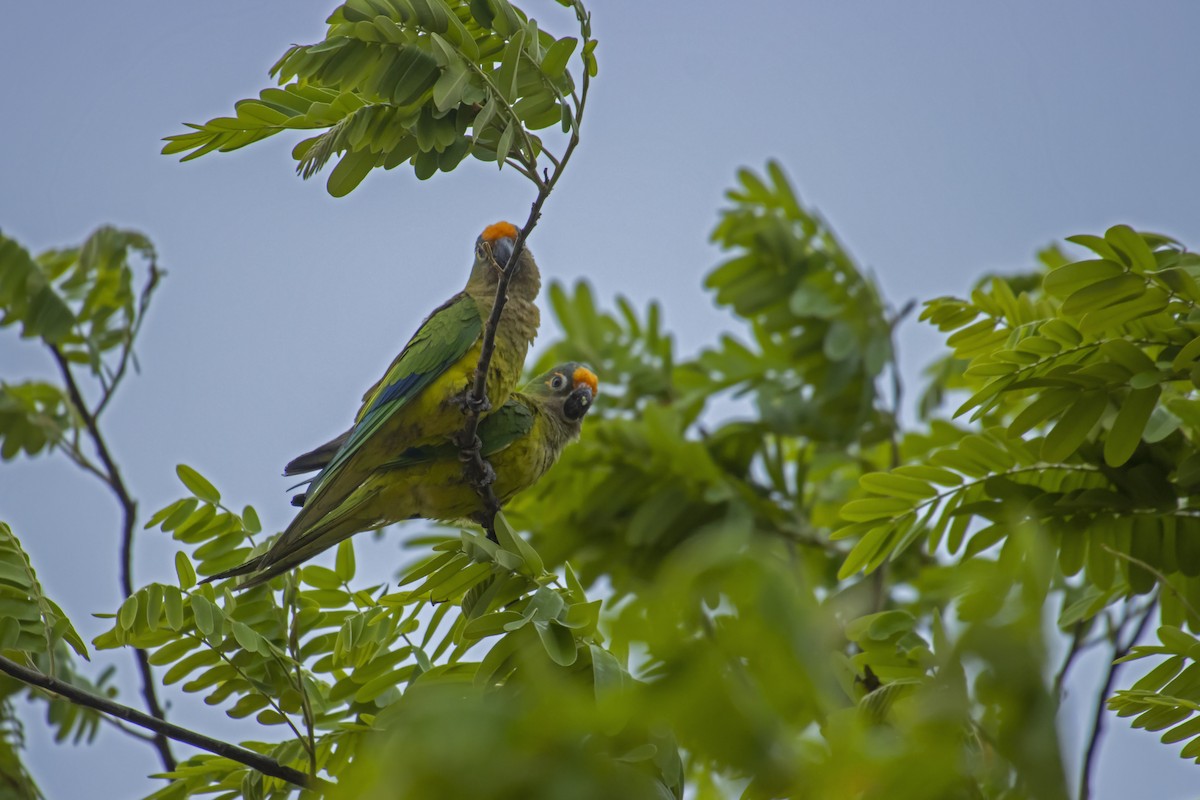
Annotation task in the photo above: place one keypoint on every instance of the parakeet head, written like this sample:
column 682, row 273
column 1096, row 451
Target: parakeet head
column 493, row 249
column 567, row 390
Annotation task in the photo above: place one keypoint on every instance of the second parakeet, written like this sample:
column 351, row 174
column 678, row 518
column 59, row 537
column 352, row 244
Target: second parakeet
column 522, row 440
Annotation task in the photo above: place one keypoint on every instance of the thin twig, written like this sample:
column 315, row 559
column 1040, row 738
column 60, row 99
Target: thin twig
column 1159, row 576
column 129, row 514
column 305, row 703
column 242, row 674
column 263, row 764
column 71, row 450
column 513, row 119
column 128, row 731
column 476, row 468
column 1119, row 651
column 127, row 352
column 524, row 170
column 1077, row 647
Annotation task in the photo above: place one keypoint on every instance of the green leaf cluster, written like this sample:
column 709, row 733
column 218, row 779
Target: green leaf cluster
column 81, row 302
column 422, row 82
column 1084, row 387
column 714, row 534
column 334, row 664
column 30, row 622
column 1167, row 698
column 35, row 632
column 80, row 299
column 751, row 576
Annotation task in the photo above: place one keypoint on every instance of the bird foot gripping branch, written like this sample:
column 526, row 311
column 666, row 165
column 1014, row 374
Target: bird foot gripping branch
column 471, row 404
column 479, row 471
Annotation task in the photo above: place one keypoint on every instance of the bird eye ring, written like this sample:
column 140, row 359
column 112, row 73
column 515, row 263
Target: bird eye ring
column 558, row 381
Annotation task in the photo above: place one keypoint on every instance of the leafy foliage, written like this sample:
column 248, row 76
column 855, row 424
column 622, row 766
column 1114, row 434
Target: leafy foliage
column 423, row 82
column 1086, row 397
column 81, row 299
column 80, row 302
column 332, row 662
column 720, row 587
column 1168, row 696
column 34, row 630
column 30, row 622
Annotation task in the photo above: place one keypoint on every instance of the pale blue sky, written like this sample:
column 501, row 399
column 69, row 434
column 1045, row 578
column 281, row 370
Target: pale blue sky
column 941, row 139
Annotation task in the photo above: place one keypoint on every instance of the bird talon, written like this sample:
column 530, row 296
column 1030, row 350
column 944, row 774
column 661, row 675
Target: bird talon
column 470, row 449
column 480, row 406
column 469, row 404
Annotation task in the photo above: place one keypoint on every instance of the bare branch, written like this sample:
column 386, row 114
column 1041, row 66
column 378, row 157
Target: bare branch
column 161, row 728
column 112, row 476
column 476, row 469
column 127, row 352
column 1077, row 647
column 1120, row 649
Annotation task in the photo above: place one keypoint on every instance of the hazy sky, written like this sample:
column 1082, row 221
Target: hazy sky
column 941, row 139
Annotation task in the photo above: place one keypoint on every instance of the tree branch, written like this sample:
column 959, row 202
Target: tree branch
column 1077, row 647
column 263, row 764
column 127, row 352
column 1119, row 651
column 476, row 469
column 129, row 513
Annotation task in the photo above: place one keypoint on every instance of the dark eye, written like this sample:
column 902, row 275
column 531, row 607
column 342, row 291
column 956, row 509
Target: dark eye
column 557, row 382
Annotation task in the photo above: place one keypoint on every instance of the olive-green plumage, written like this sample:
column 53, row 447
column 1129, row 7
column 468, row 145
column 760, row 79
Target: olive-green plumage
column 522, row 440
column 419, row 399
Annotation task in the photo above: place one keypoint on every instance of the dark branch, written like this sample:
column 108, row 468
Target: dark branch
column 263, row 764
column 477, row 470
column 1120, row 649
column 1078, row 645
column 129, row 519
column 127, row 350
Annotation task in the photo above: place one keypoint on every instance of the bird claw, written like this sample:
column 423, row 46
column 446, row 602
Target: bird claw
column 468, row 449
column 471, row 455
column 470, row 404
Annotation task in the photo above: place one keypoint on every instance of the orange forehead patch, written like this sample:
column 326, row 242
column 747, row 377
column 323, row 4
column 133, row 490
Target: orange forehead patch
column 501, row 230
column 585, row 375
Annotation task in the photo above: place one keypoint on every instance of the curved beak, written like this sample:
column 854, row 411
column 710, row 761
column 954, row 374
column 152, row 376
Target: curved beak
column 502, row 250
column 578, row 402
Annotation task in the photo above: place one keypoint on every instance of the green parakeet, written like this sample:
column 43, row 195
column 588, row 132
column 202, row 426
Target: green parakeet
column 522, row 440
column 419, row 400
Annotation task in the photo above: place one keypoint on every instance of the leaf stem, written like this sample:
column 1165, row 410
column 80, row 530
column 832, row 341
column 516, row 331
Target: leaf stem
column 127, row 352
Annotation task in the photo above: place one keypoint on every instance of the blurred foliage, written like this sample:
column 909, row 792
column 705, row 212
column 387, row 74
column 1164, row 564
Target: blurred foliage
column 750, row 578
column 423, row 82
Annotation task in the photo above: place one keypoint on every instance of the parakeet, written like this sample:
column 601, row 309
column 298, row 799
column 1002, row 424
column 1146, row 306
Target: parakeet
column 522, row 440
column 419, row 400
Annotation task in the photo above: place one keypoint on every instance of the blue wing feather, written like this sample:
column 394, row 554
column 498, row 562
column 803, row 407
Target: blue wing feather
column 444, row 337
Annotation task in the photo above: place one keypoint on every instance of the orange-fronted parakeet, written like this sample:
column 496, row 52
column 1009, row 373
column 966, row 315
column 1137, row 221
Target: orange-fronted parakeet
column 522, row 440
column 419, row 400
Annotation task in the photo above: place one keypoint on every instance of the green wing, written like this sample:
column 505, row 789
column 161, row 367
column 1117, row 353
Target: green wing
column 445, row 337
column 497, row 431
